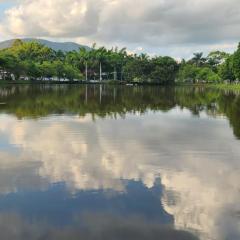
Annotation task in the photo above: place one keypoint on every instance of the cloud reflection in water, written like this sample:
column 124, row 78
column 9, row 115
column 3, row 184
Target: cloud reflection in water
column 88, row 155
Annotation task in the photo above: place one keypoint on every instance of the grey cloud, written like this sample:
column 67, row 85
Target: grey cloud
column 180, row 22
column 152, row 24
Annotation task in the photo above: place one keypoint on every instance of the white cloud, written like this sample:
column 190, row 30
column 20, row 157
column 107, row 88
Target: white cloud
column 52, row 18
column 157, row 25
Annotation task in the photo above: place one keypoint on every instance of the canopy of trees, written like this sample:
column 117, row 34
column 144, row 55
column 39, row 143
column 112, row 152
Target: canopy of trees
column 37, row 62
column 216, row 67
column 33, row 61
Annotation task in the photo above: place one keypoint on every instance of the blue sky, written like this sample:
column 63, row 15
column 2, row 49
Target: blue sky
column 4, row 6
column 166, row 27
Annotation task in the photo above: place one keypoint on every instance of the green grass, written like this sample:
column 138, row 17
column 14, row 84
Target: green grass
column 4, row 82
column 32, row 82
column 220, row 86
column 225, row 86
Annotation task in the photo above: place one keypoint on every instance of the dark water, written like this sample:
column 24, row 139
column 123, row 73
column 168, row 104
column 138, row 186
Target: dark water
column 121, row 163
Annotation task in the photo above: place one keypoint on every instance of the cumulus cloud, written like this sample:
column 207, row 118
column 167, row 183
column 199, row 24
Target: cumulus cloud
column 155, row 24
column 53, row 18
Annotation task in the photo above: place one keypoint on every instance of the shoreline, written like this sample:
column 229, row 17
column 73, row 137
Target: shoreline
column 224, row 86
column 220, row 86
column 108, row 82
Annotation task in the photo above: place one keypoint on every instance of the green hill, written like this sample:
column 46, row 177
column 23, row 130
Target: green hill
column 64, row 46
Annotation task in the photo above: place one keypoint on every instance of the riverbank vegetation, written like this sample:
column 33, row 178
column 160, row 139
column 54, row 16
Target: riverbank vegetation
column 225, row 86
column 31, row 61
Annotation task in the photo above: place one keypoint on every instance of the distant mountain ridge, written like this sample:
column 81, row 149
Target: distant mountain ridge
column 63, row 46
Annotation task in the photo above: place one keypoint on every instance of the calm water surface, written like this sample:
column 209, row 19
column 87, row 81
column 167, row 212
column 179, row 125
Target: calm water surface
column 105, row 162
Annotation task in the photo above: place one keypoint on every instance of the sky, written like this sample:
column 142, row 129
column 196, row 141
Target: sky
column 158, row 27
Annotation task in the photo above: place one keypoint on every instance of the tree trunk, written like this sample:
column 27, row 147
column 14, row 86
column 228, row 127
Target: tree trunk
column 86, row 71
column 121, row 73
column 100, row 93
column 86, row 94
column 100, row 71
column 114, row 94
column 115, row 74
column 4, row 77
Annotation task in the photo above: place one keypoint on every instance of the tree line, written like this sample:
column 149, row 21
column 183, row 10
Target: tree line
column 34, row 61
column 217, row 67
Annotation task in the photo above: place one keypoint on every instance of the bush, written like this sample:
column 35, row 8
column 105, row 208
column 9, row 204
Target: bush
column 188, row 72
column 206, row 74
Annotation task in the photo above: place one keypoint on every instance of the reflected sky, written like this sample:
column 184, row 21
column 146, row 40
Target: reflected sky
column 164, row 172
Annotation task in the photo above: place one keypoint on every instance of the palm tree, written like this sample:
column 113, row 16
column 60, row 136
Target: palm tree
column 143, row 57
column 101, row 54
column 73, row 58
column 60, row 55
column 84, row 58
column 116, row 60
column 93, row 58
column 198, row 59
column 123, row 57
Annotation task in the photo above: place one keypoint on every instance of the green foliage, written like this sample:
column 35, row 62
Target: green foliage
column 35, row 61
column 206, row 74
column 236, row 63
column 226, row 70
column 47, row 69
column 137, row 68
column 31, row 69
column 31, row 60
column 11, row 64
column 217, row 67
column 71, row 73
column 188, row 73
column 217, row 57
column 164, row 70
column 32, row 51
column 157, row 70
column 192, row 73
column 198, row 59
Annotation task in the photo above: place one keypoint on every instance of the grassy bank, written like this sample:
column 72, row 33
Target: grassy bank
column 108, row 82
column 224, row 86
column 6, row 82
column 14, row 82
column 220, row 86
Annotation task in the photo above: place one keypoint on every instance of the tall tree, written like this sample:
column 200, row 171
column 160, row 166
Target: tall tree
column 100, row 55
column 198, row 59
column 236, row 63
column 84, row 56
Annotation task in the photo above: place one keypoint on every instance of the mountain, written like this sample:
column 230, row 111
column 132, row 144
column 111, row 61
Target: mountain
column 64, row 46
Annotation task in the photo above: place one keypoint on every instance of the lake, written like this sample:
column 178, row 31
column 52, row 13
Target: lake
column 119, row 162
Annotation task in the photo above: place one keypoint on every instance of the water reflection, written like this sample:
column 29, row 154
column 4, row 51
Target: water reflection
column 145, row 158
column 116, row 101
column 96, row 226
